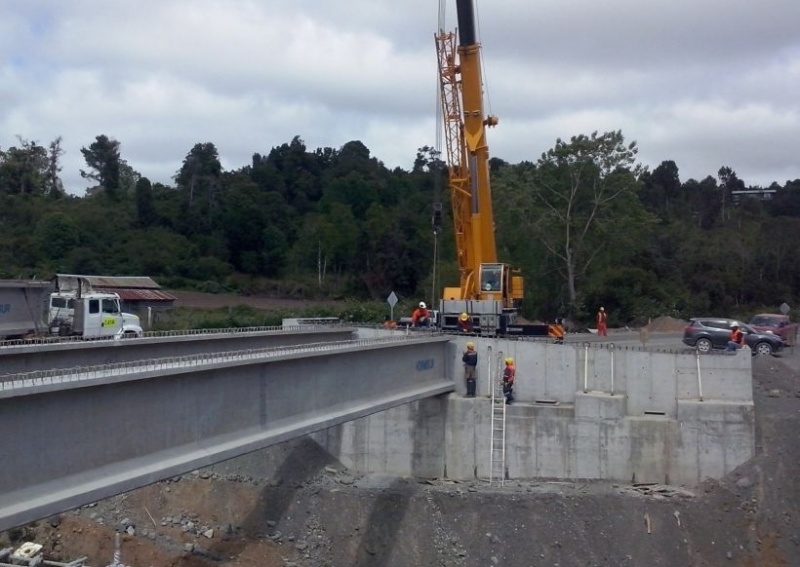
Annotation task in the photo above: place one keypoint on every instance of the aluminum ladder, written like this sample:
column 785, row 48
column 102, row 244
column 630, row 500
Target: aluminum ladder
column 497, row 444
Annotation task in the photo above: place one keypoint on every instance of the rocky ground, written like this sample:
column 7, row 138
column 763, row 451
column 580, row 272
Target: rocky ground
column 310, row 512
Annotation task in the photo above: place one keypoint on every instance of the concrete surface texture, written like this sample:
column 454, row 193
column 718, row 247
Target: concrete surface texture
column 582, row 412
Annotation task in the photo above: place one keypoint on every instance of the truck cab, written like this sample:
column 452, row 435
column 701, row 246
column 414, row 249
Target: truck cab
column 92, row 315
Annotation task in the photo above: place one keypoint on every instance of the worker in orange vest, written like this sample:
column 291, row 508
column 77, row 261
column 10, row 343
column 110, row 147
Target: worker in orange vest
column 509, row 373
column 556, row 331
column 736, row 340
column 421, row 317
column 602, row 326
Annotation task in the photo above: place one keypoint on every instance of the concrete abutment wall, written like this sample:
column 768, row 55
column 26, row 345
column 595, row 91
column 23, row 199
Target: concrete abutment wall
column 582, row 412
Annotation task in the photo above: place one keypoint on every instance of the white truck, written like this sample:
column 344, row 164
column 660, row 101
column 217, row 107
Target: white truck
column 35, row 308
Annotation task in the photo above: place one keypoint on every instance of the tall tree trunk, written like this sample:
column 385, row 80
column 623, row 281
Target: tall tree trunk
column 573, row 295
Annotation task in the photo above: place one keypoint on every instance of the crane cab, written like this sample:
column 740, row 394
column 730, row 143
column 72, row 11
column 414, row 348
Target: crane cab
column 491, row 305
column 500, row 282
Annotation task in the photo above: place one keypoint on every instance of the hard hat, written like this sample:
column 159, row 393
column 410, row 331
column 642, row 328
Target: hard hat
column 422, row 304
column 602, row 309
column 734, row 326
column 470, row 345
column 509, row 360
column 463, row 316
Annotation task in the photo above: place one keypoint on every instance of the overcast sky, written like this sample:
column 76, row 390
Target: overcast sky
column 706, row 83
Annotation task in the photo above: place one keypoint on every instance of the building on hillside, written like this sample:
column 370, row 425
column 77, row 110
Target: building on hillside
column 138, row 294
column 760, row 194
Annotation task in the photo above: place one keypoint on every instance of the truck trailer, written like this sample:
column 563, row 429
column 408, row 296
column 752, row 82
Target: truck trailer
column 23, row 307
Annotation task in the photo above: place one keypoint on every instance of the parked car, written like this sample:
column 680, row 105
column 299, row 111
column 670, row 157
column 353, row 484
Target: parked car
column 777, row 324
column 707, row 333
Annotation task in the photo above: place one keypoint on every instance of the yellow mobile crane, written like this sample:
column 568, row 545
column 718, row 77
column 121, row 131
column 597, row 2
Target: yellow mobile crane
column 489, row 291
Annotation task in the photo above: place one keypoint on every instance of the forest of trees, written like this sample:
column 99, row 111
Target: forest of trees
column 585, row 222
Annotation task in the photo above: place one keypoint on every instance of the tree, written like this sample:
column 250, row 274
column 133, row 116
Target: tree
column 103, row 157
column 52, row 182
column 728, row 183
column 56, row 234
column 23, row 170
column 661, row 189
column 705, row 199
column 575, row 201
column 145, row 211
column 199, row 179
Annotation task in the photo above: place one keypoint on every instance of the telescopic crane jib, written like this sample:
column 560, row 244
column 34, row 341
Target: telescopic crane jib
column 489, row 291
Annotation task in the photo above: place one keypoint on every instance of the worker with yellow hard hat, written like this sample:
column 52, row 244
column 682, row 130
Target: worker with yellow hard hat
column 470, row 360
column 509, row 373
column 464, row 323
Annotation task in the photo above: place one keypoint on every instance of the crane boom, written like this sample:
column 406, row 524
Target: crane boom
column 488, row 291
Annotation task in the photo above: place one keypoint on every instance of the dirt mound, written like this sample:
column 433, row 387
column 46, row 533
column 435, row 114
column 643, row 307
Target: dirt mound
column 666, row 325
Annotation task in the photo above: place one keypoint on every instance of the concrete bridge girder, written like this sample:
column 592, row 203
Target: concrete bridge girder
column 83, row 441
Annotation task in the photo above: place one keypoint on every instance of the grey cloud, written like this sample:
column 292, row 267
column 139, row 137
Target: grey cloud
column 705, row 84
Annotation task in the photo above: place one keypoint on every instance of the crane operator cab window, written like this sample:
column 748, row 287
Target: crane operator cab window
column 491, row 277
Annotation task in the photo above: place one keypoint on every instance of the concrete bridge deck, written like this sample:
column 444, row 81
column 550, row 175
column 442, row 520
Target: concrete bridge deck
column 74, row 436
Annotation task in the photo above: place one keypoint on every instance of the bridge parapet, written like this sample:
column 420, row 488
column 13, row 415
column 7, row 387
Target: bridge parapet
column 16, row 356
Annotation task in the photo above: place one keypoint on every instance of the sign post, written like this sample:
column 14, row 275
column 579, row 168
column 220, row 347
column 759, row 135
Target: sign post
column 392, row 301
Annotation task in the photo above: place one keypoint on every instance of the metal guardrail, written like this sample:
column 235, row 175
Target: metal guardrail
column 80, row 373
column 34, row 341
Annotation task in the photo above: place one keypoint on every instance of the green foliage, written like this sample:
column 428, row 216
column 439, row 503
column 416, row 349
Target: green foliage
column 56, row 234
column 566, row 211
column 24, row 170
column 359, row 312
column 245, row 316
column 585, row 223
column 145, row 209
column 103, row 159
column 222, row 318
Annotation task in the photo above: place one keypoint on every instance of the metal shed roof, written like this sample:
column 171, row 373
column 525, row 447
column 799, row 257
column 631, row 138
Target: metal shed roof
column 138, row 282
column 134, row 294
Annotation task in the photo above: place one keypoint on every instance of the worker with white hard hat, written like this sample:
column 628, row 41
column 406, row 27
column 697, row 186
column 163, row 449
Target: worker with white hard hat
column 421, row 317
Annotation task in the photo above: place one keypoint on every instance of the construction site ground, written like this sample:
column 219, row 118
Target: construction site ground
column 303, row 509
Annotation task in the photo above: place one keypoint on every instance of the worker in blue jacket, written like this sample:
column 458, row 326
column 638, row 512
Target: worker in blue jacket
column 470, row 360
